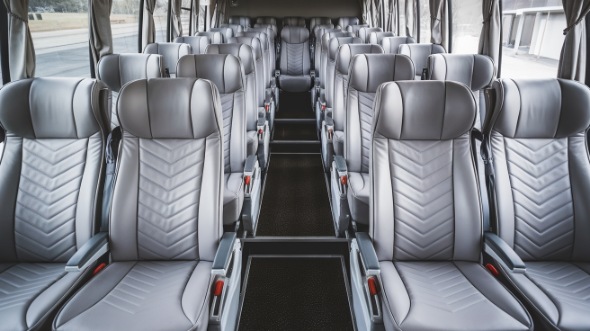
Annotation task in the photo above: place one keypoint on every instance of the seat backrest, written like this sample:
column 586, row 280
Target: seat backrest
column 367, row 72
column 294, row 21
column 273, row 27
column 376, row 37
column 344, row 22
column 271, row 36
column 236, row 28
column 169, row 173
column 419, row 53
column 354, row 28
column 315, row 21
column 425, row 199
column 215, row 37
column 116, row 70
column 325, row 49
column 171, row 52
column 333, row 46
column 246, row 55
column 52, row 166
column 538, row 141
column 295, row 51
column 344, row 57
column 474, row 70
column 225, row 71
column 266, row 57
column 198, row 43
column 364, row 33
column 226, row 33
column 319, row 32
column 266, row 20
column 391, row 44
column 244, row 21
column 259, row 64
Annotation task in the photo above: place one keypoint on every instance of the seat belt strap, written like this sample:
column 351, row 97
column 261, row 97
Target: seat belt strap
column 112, row 148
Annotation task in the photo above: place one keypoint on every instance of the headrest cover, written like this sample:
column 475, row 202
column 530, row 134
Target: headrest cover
column 348, row 51
column 116, row 70
column 198, row 43
column 262, row 36
column 294, row 34
column 473, row 70
column 170, row 51
column 253, row 42
column 424, row 110
column 241, row 51
column 222, row 69
column 337, row 42
column 368, row 71
column 53, row 108
column 161, row 108
column 391, row 44
column 542, row 108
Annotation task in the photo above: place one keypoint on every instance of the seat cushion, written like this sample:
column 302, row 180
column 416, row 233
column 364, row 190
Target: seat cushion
column 358, row 196
column 447, row 296
column 295, row 83
column 558, row 291
column 29, row 291
column 252, row 142
column 169, row 295
column 233, row 197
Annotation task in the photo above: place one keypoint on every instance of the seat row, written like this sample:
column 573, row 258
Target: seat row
column 245, row 21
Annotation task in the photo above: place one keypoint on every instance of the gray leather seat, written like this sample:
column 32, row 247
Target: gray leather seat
column 171, row 52
column 344, row 22
column 426, row 226
column 226, row 33
column 354, row 28
column 50, row 172
column 475, row 71
column 215, row 37
column 375, row 37
column 294, row 21
column 244, row 21
column 116, row 70
column 271, row 37
column 236, row 28
column 165, row 222
column 367, row 72
column 364, row 33
column 319, row 33
column 419, row 53
column 391, row 44
column 266, row 20
column 295, row 61
column 198, row 43
column 538, row 142
column 315, row 21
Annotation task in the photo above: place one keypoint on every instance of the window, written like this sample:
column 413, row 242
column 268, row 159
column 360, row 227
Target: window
column 185, row 17
column 532, row 38
column 161, row 20
column 467, row 24
column 60, row 35
column 125, row 25
column 424, row 9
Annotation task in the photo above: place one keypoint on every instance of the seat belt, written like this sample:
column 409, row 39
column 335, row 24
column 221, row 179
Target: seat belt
column 112, row 148
column 490, row 175
column 488, row 197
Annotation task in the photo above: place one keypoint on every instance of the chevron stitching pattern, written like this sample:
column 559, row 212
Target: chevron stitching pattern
column 150, row 285
column 294, row 59
column 439, row 285
column 366, row 121
column 227, row 104
column 544, row 215
column 565, row 282
column 423, row 199
column 22, row 282
column 45, row 212
column 170, row 175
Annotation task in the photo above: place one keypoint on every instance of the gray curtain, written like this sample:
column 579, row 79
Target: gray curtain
column 149, row 26
column 489, row 41
column 218, row 16
column 438, row 19
column 20, row 42
column 201, row 19
column 176, row 28
column 391, row 16
column 101, row 38
column 411, row 21
column 572, row 61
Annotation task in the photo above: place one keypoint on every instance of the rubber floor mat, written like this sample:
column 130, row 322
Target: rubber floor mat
column 295, row 131
column 295, row 105
column 295, row 294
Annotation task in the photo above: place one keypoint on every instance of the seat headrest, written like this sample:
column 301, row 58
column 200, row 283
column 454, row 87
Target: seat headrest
column 266, row 20
column 334, row 34
column 364, row 32
column 319, row 30
column 375, row 37
column 272, row 27
column 419, row 53
column 348, row 51
column 344, row 22
column 262, row 37
column 223, row 70
column 368, row 71
column 215, row 37
column 294, row 21
column 424, row 110
column 315, row 21
column 198, row 43
column 354, row 28
column 474, row 70
column 270, row 33
column 241, row 20
column 294, row 34
column 54, row 108
column 116, row 70
column 226, row 32
column 241, row 51
column 161, row 108
column 540, row 108
column 236, row 28
column 250, row 41
column 170, row 51
column 391, row 44
column 337, row 42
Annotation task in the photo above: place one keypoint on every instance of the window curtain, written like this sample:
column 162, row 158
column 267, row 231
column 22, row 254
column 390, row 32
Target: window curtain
column 176, row 28
column 218, row 13
column 20, row 42
column 101, row 38
column 149, row 26
column 438, row 22
column 201, row 18
column 411, row 21
column 572, row 61
column 489, row 41
column 391, row 8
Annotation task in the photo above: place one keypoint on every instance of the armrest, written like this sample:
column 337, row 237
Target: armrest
column 312, row 73
column 367, row 253
column 93, row 249
column 224, row 253
column 340, row 164
column 499, row 249
column 250, row 173
column 329, row 123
